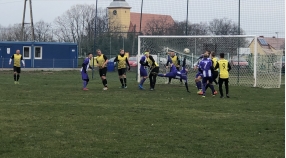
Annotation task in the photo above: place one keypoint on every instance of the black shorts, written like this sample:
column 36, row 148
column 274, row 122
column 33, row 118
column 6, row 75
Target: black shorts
column 215, row 75
column 17, row 69
column 155, row 70
column 122, row 71
column 223, row 80
column 102, row 72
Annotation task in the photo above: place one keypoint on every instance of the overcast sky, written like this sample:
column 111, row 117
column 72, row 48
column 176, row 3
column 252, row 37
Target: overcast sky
column 258, row 17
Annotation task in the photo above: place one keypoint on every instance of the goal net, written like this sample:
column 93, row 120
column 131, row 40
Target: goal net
column 254, row 63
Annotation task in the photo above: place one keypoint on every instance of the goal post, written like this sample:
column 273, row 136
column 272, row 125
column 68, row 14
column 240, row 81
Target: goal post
column 252, row 65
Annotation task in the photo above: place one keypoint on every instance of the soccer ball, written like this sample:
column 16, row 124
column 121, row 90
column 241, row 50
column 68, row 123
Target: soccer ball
column 186, row 50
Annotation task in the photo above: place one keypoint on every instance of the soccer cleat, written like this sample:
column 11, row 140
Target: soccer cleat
column 85, row 89
column 105, row 88
column 151, row 89
column 227, row 96
column 203, row 96
column 15, row 82
column 121, row 87
column 215, row 92
column 140, row 87
column 200, row 92
column 125, row 87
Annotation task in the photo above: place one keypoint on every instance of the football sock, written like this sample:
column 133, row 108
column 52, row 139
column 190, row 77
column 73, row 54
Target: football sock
column 207, row 86
column 121, row 80
column 154, row 81
column 104, row 82
column 187, row 87
column 199, row 85
column 14, row 77
column 18, row 76
column 204, row 88
column 212, row 88
column 84, row 84
column 125, row 82
column 142, row 81
column 226, row 88
column 151, row 81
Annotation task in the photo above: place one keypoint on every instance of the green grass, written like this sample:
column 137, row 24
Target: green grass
column 48, row 115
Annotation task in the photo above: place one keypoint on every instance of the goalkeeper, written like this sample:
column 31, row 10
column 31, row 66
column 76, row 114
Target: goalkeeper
column 174, row 73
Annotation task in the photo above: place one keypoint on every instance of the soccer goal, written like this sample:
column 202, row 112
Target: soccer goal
column 254, row 64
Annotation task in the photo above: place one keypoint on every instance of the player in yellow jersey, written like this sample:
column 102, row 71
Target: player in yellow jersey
column 17, row 65
column 154, row 70
column 215, row 73
column 224, row 68
column 176, row 62
column 102, row 63
column 123, row 62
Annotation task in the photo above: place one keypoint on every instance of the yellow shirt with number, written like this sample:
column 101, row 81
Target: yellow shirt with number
column 100, row 60
column 121, row 61
column 223, row 68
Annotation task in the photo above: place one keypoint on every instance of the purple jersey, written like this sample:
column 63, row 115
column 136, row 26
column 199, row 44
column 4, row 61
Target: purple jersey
column 85, row 65
column 205, row 66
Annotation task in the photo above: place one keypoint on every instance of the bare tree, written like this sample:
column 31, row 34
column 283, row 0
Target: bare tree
column 158, row 26
column 224, row 27
column 43, row 32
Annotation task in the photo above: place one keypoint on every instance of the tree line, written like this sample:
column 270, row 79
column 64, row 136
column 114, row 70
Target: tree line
column 78, row 25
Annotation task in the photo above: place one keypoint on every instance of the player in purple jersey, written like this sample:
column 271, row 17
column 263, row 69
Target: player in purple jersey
column 198, row 76
column 84, row 68
column 143, row 69
column 174, row 73
column 206, row 68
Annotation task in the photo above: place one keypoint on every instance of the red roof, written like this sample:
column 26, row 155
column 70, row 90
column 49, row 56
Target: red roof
column 135, row 21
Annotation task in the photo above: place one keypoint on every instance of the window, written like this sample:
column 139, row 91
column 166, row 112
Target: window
column 26, row 52
column 38, row 52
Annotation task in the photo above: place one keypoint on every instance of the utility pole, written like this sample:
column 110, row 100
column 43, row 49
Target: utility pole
column 31, row 22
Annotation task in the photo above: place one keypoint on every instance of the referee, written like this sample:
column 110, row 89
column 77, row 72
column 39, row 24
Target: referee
column 17, row 65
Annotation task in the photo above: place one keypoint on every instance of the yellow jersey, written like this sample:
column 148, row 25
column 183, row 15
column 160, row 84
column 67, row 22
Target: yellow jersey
column 223, row 68
column 214, row 63
column 121, row 61
column 17, row 59
column 150, row 62
column 101, row 60
column 175, row 60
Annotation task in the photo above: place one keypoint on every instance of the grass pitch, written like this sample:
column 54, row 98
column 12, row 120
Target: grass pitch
column 48, row 115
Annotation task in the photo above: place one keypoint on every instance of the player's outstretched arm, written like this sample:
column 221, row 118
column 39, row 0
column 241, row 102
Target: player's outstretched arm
column 229, row 67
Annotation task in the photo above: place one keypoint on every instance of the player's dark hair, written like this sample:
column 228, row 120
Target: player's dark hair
column 209, row 52
column 213, row 53
column 221, row 55
column 89, row 54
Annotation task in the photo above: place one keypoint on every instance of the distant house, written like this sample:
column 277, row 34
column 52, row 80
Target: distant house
column 268, row 45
